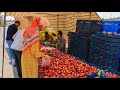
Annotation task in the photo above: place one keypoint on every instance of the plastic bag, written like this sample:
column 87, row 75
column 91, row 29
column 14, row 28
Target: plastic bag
column 46, row 48
column 45, row 63
column 43, row 48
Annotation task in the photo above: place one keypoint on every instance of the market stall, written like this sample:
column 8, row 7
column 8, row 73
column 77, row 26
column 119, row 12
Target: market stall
column 63, row 65
column 64, row 21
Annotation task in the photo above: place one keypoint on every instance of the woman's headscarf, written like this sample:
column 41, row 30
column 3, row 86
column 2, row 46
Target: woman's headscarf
column 38, row 24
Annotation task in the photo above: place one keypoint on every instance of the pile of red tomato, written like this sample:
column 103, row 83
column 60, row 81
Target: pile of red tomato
column 111, row 75
column 65, row 66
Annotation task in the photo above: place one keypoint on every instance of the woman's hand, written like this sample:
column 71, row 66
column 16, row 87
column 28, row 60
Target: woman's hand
column 47, row 57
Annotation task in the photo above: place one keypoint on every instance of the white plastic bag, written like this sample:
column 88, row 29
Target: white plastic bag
column 43, row 48
column 45, row 63
column 46, row 48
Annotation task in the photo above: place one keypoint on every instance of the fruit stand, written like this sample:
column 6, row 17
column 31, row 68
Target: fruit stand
column 64, row 65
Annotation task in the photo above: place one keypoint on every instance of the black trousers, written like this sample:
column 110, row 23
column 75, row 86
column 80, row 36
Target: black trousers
column 17, row 56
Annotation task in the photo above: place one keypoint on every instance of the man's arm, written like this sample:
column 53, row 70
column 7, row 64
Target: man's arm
column 9, row 31
column 61, row 45
column 15, row 35
column 12, row 29
column 53, row 41
column 16, row 29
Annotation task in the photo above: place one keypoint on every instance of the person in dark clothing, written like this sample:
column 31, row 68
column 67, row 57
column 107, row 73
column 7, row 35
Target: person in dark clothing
column 12, row 29
column 47, row 37
column 61, row 45
column 17, row 56
column 48, row 40
column 60, row 42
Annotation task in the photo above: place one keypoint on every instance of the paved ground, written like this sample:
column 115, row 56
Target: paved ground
column 9, row 71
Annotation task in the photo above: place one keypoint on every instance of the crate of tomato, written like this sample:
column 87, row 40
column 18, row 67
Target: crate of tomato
column 111, row 73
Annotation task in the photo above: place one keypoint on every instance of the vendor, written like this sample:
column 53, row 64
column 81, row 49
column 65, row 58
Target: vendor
column 60, row 42
column 48, row 40
column 31, row 48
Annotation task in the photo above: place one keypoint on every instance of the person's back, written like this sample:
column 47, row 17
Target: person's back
column 18, row 40
column 12, row 29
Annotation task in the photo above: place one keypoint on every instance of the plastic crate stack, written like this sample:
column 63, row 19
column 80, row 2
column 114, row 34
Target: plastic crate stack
column 94, row 49
column 105, row 50
column 71, row 43
column 82, row 45
column 78, row 44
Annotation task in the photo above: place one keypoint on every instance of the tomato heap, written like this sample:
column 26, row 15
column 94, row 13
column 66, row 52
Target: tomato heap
column 65, row 66
column 111, row 75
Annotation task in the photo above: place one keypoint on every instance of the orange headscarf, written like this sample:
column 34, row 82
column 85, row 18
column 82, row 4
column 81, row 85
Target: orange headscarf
column 38, row 24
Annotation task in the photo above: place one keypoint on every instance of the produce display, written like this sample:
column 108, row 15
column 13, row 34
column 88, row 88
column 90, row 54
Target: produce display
column 108, row 73
column 65, row 66
column 111, row 75
column 101, row 49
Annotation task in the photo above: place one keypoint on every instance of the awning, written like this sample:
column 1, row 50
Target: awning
column 80, row 15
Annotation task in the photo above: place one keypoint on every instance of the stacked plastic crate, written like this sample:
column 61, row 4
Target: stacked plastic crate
column 84, row 35
column 105, row 50
column 71, row 43
column 82, row 44
column 78, row 44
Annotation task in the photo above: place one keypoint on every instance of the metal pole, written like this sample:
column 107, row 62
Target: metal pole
column 3, row 42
